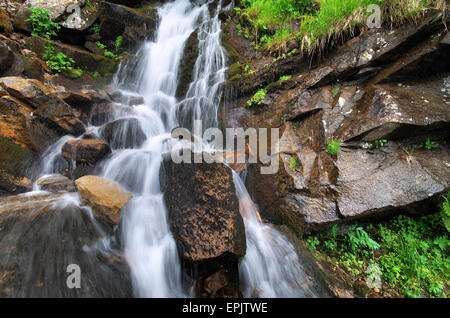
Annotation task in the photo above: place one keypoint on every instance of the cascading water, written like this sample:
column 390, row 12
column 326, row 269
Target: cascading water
column 271, row 267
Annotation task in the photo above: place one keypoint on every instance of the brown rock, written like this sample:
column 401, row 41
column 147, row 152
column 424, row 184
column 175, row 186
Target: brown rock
column 85, row 151
column 56, row 183
column 104, row 196
column 29, row 91
column 5, row 22
column 60, row 115
column 203, row 210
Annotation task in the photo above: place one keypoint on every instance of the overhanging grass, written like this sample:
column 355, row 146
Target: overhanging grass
column 271, row 19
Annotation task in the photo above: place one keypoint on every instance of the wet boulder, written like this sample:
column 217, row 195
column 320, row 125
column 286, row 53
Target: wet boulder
column 30, row 91
column 56, row 183
column 6, row 25
column 53, row 231
column 59, row 115
column 6, row 57
column 105, row 197
column 204, row 218
column 123, row 133
column 86, row 151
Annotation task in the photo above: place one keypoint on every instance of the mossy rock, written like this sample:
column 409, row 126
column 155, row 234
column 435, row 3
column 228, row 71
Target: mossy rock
column 16, row 165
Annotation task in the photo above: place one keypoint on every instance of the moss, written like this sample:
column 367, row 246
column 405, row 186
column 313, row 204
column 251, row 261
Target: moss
column 13, row 158
column 73, row 73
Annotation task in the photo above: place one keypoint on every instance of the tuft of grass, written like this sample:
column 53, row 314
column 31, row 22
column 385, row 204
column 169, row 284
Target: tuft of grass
column 333, row 146
column 285, row 78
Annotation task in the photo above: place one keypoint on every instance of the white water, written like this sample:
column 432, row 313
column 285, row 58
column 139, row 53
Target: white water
column 271, row 267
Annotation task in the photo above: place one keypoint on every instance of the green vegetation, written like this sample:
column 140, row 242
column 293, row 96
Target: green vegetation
column 106, row 52
column 333, row 147
column 269, row 23
column 336, row 89
column 411, row 253
column 89, row 4
column 96, row 28
column 257, row 98
column 380, row 143
column 57, row 62
column 428, row 144
column 118, row 43
column 42, row 25
column 445, row 211
column 293, row 164
column 285, row 78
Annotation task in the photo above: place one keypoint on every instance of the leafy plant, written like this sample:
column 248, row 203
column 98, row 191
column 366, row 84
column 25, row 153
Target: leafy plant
column 257, row 98
column 42, row 24
column 333, row 146
column 284, row 78
column 293, row 164
column 96, row 28
column 380, row 143
column 445, row 211
column 57, row 62
column 336, row 89
column 118, row 42
column 89, row 4
column 100, row 45
column 428, row 144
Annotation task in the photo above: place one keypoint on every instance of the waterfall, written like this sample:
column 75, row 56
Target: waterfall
column 271, row 267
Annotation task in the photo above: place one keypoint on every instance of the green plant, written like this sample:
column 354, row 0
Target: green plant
column 100, row 45
column 428, row 144
column 333, row 146
column 293, row 164
column 42, row 24
column 380, row 143
column 312, row 242
column 336, row 89
column 57, row 62
column 284, row 78
column 96, row 28
column 118, row 43
column 257, row 98
column 109, row 54
column 89, row 4
column 445, row 211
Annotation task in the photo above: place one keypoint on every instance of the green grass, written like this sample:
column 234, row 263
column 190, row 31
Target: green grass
column 321, row 21
column 411, row 254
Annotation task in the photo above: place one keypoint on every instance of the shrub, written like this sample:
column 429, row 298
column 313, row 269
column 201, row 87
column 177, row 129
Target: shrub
column 42, row 25
column 445, row 211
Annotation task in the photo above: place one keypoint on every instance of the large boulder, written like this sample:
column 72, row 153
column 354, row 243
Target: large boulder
column 123, row 133
column 6, row 57
column 203, row 210
column 105, row 197
column 42, row 235
column 85, row 151
column 30, row 91
column 59, row 115
column 204, row 217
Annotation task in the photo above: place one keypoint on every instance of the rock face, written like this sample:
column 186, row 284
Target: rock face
column 35, row 228
column 85, row 151
column 388, row 85
column 123, row 133
column 204, row 218
column 105, row 197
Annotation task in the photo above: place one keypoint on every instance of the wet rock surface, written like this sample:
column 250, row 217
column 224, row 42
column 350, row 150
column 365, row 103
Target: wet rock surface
column 385, row 85
column 35, row 228
column 56, row 183
column 104, row 196
column 123, row 133
column 204, row 218
column 85, row 151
